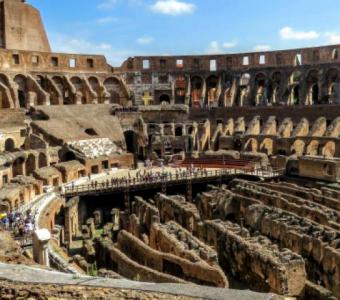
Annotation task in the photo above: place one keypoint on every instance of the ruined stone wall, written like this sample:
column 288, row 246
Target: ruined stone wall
column 198, row 272
column 314, row 242
column 282, row 271
column 110, row 257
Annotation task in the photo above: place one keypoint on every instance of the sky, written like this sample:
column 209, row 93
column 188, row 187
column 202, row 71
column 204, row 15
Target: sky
column 123, row 28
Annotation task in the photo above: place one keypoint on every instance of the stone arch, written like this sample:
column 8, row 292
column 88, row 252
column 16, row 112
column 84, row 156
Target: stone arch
column 313, row 148
column 117, row 92
column 131, row 141
column 18, row 166
column 196, row 91
column 313, row 87
column 260, row 88
column 42, row 160
column 179, row 130
column 95, row 85
column 245, row 79
column 21, row 82
column 267, row 146
column 67, row 156
column 329, row 149
column 6, row 100
column 63, row 89
column 79, row 85
column 42, row 81
column 180, row 89
column 332, row 85
column 298, row 147
column 295, row 77
column 30, row 164
column 212, row 89
column 251, row 145
column 244, row 89
column 164, row 98
column 9, row 145
column 335, row 54
column 295, row 95
column 276, row 81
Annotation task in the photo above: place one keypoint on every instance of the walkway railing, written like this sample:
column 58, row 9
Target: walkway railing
column 182, row 176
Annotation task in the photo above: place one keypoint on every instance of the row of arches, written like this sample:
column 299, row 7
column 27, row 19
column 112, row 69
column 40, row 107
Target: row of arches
column 27, row 165
column 299, row 87
column 23, row 91
column 299, row 147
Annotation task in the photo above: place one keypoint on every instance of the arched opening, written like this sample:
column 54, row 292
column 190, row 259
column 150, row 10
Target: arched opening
column 260, row 89
column 237, row 144
column 9, row 145
column 179, row 131
column 5, row 100
column 63, row 90
column 180, row 89
column 313, row 148
column 267, row 146
column 30, row 164
column 298, row 147
column 329, row 150
column 333, row 86
column 18, row 167
column 131, row 141
column 315, row 94
column 196, row 91
column 244, row 89
column 69, row 156
column 94, row 83
column 296, row 95
column 164, row 99
column 212, row 90
column 42, row 161
column 21, row 82
column 115, row 89
column 79, row 86
column 251, row 145
column 335, row 54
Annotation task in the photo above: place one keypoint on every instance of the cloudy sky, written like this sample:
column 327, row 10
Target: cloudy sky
column 123, row 28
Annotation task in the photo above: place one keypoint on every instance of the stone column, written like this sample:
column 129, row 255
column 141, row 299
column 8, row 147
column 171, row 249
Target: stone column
column 204, row 92
column 173, row 92
column 188, row 91
column 40, row 239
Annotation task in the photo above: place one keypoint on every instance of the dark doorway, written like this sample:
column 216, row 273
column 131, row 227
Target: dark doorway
column 315, row 94
column 164, row 98
column 296, row 95
column 9, row 145
column 131, row 141
column 22, row 99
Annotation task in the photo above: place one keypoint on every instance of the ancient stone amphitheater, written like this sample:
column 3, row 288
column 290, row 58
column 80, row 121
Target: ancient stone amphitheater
column 175, row 177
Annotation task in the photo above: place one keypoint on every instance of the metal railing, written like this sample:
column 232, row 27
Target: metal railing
column 114, row 184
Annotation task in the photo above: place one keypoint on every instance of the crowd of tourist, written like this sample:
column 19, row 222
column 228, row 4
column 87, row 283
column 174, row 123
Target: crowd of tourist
column 147, row 176
column 18, row 223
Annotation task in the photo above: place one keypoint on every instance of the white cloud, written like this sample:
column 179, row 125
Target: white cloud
column 145, row 40
column 108, row 4
column 262, row 48
column 68, row 44
column 106, row 20
column 229, row 45
column 288, row 33
column 333, row 37
column 173, row 7
column 216, row 48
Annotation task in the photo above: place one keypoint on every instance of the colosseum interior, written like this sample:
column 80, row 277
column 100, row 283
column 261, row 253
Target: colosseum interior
column 212, row 176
